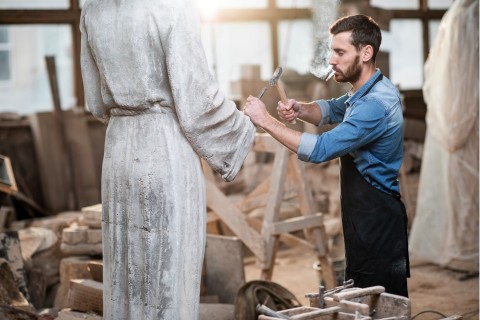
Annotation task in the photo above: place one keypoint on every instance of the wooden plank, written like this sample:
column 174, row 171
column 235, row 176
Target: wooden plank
column 279, row 173
column 233, row 218
column 85, row 295
column 297, row 223
column 286, row 238
column 51, row 161
column 86, row 180
column 59, row 122
column 318, row 235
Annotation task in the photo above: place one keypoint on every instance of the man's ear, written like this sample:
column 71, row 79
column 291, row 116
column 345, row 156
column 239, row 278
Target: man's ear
column 367, row 53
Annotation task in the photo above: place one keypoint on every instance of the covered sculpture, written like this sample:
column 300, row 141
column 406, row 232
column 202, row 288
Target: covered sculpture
column 146, row 75
column 445, row 229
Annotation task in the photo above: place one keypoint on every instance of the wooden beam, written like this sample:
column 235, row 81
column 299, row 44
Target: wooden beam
column 39, row 16
column 234, row 15
column 417, row 14
column 297, row 223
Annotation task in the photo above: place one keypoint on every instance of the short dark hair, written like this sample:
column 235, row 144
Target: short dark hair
column 365, row 31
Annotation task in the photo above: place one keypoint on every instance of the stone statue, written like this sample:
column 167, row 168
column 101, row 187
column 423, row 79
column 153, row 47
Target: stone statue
column 145, row 74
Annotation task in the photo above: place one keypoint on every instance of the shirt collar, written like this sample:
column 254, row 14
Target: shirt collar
column 357, row 95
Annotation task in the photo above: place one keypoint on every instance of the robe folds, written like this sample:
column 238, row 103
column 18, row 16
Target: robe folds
column 145, row 75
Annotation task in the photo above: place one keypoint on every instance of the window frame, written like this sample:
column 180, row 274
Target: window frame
column 272, row 14
column 7, row 46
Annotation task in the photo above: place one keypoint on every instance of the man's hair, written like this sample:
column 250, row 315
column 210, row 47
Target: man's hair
column 365, row 31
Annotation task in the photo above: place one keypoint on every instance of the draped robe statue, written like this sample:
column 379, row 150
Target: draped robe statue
column 145, row 74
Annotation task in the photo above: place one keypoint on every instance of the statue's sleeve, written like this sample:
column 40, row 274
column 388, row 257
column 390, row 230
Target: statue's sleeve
column 91, row 76
column 218, row 132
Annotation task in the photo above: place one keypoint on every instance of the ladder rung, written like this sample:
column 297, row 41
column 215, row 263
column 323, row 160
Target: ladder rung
column 297, row 223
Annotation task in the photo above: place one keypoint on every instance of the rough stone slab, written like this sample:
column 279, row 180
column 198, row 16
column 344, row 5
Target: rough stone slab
column 85, row 295
column 224, row 267
column 10, row 250
column 74, row 235
column 93, row 212
column 9, row 293
column 56, row 223
column 70, row 268
column 96, row 270
column 81, row 249
column 94, row 236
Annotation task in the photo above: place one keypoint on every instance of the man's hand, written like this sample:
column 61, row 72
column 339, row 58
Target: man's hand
column 256, row 111
column 289, row 111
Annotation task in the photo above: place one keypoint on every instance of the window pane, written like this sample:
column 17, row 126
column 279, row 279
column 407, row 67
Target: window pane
column 389, row 4
column 236, row 44
column 4, row 66
column 433, row 26
column 296, row 45
column 34, row 4
column 439, row 4
column 29, row 90
column 405, row 45
column 3, row 34
column 294, row 3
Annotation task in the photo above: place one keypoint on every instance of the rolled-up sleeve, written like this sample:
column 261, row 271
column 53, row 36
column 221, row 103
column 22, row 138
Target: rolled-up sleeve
column 332, row 110
column 307, row 145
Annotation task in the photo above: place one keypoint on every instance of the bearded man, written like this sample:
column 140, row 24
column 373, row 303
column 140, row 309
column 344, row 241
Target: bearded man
column 369, row 141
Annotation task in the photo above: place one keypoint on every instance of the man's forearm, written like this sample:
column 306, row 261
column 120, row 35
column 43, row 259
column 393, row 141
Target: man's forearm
column 310, row 112
column 286, row 136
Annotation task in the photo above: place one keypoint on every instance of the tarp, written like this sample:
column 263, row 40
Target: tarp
column 445, row 228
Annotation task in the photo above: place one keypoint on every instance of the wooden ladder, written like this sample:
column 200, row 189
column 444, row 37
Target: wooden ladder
column 262, row 238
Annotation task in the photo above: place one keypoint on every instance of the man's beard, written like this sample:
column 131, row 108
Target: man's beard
column 353, row 72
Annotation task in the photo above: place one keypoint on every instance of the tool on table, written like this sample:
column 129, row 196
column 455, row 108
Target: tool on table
column 358, row 293
column 263, row 309
column 275, row 81
column 345, row 285
column 318, row 299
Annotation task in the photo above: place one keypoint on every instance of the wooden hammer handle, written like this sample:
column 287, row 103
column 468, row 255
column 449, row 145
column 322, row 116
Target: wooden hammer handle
column 358, row 293
column 283, row 96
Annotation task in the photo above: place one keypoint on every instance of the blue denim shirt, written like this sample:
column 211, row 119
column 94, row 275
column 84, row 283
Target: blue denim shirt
column 370, row 129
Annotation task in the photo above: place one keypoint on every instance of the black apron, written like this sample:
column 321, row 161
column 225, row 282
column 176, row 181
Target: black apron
column 375, row 231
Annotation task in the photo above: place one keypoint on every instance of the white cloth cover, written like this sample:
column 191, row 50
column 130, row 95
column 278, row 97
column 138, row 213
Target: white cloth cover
column 146, row 75
column 445, row 229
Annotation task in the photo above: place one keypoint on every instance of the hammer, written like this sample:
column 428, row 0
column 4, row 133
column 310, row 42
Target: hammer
column 275, row 81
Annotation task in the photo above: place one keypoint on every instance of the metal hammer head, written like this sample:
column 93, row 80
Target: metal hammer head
column 276, row 75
